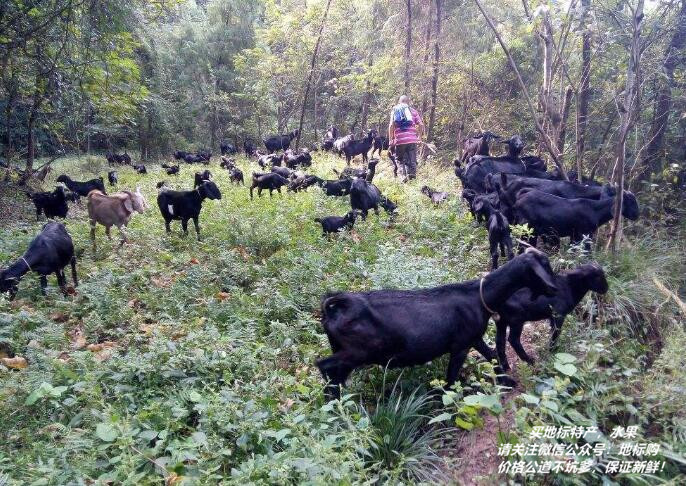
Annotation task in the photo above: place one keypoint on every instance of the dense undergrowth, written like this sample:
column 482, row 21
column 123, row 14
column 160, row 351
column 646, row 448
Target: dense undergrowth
column 192, row 361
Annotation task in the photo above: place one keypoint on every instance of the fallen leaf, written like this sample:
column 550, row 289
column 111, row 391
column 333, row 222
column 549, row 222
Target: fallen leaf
column 195, row 261
column 17, row 363
column 100, row 346
column 286, row 405
column 59, row 317
column 402, row 238
column 172, row 479
column 79, row 342
column 223, row 296
column 356, row 238
column 71, row 290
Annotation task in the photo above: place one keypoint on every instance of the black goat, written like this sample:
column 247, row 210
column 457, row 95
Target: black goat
column 340, row 143
column 365, row 196
column 49, row 252
column 469, row 195
column 236, row 175
column 302, row 182
column 185, row 205
column 53, row 204
column 83, row 188
column 140, row 169
column 264, row 160
column 280, row 142
column 227, row 163
column 367, row 173
column 171, row 169
column 499, row 237
column 437, row 197
column 271, row 181
column 508, row 186
column 293, row 161
column 180, row 154
column 337, row 188
column 394, row 162
column 401, row 328
column 478, row 144
column 334, row 224
column 282, row 171
column 558, row 217
column 380, row 144
column 483, row 205
column 112, row 177
column 200, row 177
column 113, row 158
column 227, row 148
column 357, row 147
column 522, row 306
column 249, row 147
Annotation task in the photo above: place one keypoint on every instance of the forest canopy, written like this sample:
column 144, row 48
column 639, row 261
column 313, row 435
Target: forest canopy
column 156, row 76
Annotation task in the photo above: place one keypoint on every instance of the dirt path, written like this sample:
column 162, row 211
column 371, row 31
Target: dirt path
column 475, row 452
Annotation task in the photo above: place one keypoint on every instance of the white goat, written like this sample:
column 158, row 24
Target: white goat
column 114, row 210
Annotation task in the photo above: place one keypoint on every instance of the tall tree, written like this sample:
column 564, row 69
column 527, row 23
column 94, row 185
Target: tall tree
column 663, row 96
column 434, row 78
column 584, row 87
column 628, row 108
column 408, row 46
column 308, row 85
column 427, row 52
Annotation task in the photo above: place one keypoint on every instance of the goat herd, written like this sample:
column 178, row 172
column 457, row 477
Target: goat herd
column 397, row 328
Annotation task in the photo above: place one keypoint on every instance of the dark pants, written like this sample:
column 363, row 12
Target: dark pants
column 407, row 158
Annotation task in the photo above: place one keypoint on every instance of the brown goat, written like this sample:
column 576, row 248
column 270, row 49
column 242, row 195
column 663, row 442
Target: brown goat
column 114, row 210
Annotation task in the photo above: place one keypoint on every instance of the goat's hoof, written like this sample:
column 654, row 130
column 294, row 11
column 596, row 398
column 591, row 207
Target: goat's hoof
column 507, row 381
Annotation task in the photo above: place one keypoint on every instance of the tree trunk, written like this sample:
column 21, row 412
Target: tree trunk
column 564, row 115
column 584, row 90
column 434, row 78
column 408, row 46
column 427, row 51
column 308, row 86
column 629, row 108
column 663, row 97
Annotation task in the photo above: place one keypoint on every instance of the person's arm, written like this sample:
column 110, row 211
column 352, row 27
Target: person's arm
column 391, row 131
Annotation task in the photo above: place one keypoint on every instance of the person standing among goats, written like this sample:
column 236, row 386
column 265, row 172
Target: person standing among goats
column 405, row 130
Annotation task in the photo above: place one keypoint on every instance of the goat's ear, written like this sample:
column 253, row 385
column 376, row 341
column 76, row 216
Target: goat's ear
column 128, row 204
column 543, row 274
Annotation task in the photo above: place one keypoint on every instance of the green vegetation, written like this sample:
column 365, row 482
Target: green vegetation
column 194, row 361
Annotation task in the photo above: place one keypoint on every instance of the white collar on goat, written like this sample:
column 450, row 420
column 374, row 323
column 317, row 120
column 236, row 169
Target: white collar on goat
column 26, row 263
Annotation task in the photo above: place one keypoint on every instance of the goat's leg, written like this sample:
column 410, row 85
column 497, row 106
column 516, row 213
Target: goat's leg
column 166, row 225
column 335, row 369
column 93, row 234
column 494, row 255
column 555, row 328
column 73, row 271
column 251, row 188
column 43, row 284
column 508, row 246
column 123, row 235
column 515, row 341
column 197, row 227
column 455, row 365
column 500, row 343
column 184, row 226
column 61, row 281
column 491, row 355
column 107, row 232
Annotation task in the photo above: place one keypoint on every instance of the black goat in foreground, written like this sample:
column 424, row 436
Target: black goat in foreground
column 236, row 175
column 83, row 188
column 141, row 169
column 49, row 252
column 53, row 204
column 112, row 177
column 522, row 306
column 401, row 328
column 185, row 205
column 271, row 181
column 437, row 197
column 334, row 224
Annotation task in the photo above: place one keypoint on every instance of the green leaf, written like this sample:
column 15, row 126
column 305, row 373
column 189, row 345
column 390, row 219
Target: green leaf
column 106, row 432
column 484, row 401
column 463, row 424
column 195, row 397
column 565, row 368
column 565, row 358
column 440, row 418
column 531, row 399
column 549, row 405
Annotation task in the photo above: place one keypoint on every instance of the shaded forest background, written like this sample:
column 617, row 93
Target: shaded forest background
column 152, row 76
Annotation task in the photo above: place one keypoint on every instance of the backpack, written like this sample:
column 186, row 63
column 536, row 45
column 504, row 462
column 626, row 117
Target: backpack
column 402, row 116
